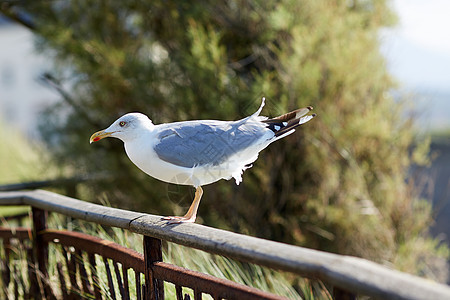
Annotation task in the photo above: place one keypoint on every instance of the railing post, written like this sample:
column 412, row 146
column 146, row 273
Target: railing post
column 340, row 294
column 154, row 288
column 40, row 246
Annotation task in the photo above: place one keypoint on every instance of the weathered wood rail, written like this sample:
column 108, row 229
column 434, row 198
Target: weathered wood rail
column 355, row 275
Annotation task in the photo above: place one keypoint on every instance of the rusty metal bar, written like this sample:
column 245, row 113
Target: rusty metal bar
column 110, row 280
column 83, row 273
column 34, row 286
column 95, row 245
column 179, row 292
column 62, row 280
column 138, row 286
column 72, row 270
column 340, row 294
column 160, row 271
column 152, row 254
column 119, row 280
column 197, row 294
column 125, row 282
column 6, row 276
column 41, row 247
column 20, row 233
column 94, row 276
column 207, row 283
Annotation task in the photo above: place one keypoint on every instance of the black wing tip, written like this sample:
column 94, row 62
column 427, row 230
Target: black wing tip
column 313, row 115
column 310, row 107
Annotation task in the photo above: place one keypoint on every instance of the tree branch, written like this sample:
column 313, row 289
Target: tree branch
column 8, row 10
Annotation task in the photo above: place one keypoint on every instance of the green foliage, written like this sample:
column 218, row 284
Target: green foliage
column 338, row 184
column 20, row 160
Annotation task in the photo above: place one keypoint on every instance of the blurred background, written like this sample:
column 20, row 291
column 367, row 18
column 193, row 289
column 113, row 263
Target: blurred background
column 370, row 176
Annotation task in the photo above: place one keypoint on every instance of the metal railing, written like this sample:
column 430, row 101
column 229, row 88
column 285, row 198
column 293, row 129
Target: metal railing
column 348, row 275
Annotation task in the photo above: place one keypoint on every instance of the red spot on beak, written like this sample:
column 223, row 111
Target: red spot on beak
column 96, row 139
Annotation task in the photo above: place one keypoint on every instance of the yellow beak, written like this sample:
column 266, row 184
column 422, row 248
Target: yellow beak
column 99, row 135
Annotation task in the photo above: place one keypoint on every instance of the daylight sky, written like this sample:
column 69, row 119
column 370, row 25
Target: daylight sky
column 418, row 49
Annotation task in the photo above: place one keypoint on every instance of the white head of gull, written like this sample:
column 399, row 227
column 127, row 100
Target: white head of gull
column 199, row 152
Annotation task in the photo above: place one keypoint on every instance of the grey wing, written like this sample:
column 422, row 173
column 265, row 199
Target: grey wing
column 194, row 143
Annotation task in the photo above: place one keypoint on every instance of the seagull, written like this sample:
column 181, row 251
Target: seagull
column 199, row 152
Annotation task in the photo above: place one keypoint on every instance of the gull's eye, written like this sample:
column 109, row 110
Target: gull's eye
column 122, row 123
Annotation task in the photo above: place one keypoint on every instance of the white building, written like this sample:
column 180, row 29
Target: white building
column 22, row 96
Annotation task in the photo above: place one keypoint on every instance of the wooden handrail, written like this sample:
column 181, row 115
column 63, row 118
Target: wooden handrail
column 349, row 273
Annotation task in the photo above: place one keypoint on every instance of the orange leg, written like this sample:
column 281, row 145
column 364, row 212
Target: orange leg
column 191, row 214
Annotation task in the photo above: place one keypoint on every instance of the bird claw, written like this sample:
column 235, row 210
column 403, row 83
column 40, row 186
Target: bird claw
column 178, row 220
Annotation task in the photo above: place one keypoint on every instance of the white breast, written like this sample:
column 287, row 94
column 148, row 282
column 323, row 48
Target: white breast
column 140, row 151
